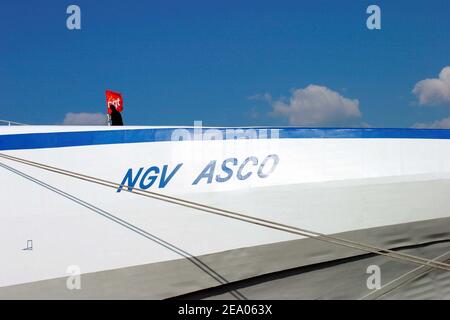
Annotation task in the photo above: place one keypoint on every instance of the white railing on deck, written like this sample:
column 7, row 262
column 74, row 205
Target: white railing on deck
column 11, row 123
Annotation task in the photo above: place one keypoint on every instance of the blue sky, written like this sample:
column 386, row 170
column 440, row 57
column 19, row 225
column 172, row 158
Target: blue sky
column 180, row 61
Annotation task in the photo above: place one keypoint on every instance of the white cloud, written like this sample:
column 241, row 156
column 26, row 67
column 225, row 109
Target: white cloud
column 318, row 106
column 84, row 118
column 261, row 96
column 434, row 91
column 438, row 124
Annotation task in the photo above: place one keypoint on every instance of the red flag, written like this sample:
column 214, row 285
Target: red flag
column 114, row 98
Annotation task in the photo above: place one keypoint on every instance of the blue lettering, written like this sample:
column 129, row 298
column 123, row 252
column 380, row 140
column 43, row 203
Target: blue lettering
column 208, row 172
column 245, row 171
column 254, row 160
column 129, row 177
column 275, row 159
column 164, row 181
column 227, row 170
column 152, row 178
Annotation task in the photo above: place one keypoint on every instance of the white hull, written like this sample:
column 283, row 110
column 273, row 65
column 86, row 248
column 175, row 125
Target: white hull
column 397, row 188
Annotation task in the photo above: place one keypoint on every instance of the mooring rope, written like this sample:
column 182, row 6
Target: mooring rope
column 403, row 280
column 239, row 216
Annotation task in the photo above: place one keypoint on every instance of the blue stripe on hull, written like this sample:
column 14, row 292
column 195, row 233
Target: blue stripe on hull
column 87, row 138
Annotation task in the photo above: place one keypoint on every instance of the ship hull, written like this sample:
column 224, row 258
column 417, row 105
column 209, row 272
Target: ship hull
column 386, row 188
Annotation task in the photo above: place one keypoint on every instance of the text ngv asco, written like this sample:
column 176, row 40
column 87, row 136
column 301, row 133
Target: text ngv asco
column 250, row 166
